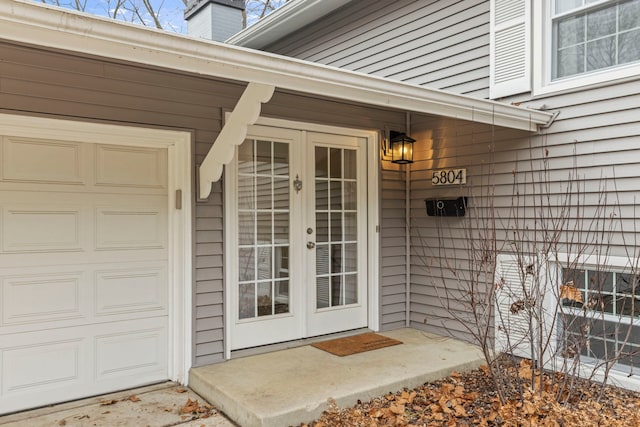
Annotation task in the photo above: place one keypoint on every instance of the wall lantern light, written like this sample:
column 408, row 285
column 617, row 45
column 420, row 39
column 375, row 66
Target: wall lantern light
column 401, row 148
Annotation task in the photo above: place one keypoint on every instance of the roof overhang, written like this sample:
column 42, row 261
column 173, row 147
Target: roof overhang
column 292, row 16
column 44, row 26
column 36, row 24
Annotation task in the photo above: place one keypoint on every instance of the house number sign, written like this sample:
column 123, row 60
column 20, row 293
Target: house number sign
column 449, row 177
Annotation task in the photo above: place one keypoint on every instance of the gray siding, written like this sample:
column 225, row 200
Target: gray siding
column 393, row 261
column 439, row 44
column 39, row 82
column 596, row 130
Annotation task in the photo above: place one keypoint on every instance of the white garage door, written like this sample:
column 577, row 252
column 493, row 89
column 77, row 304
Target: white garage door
column 83, row 269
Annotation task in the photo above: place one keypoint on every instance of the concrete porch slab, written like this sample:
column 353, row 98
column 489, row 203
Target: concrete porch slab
column 288, row 387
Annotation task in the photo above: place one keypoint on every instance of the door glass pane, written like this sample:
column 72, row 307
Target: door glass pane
column 322, row 162
column 281, row 159
column 335, row 162
column 336, row 258
column 322, row 259
column 246, row 303
column 246, row 192
column 350, row 226
column 350, row 258
column 246, row 264
column 263, row 192
column 281, row 296
column 322, row 195
column 336, row 195
column 281, row 193
column 263, row 157
column 265, row 300
column 281, row 228
column 322, row 227
column 336, row 228
column 246, row 228
column 350, row 165
column 263, row 229
column 322, row 292
column 350, row 289
column 350, row 195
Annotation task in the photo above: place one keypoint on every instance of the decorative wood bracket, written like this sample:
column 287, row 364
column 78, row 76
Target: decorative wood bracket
column 234, row 131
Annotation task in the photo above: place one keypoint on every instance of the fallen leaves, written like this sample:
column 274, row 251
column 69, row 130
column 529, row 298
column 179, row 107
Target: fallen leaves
column 194, row 410
column 471, row 400
column 108, row 402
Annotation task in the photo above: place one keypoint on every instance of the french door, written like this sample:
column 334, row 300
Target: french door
column 297, row 236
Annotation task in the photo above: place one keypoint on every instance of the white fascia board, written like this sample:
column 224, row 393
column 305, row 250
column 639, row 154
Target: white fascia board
column 292, row 16
column 39, row 25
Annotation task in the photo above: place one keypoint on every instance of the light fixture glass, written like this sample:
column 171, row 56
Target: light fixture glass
column 402, row 149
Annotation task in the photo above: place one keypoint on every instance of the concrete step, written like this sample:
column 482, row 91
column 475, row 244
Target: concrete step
column 288, row 387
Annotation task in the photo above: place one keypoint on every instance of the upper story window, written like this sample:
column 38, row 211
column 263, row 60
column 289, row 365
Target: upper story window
column 580, row 43
column 590, row 35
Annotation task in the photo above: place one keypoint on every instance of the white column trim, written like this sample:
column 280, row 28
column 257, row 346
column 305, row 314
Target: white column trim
column 234, row 131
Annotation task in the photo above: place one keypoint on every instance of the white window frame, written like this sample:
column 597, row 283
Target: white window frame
column 615, row 377
column 543, row 58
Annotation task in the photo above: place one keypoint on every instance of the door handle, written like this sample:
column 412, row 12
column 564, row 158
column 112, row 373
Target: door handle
column 311, row 245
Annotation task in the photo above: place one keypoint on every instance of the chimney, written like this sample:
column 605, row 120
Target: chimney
column 214, row 19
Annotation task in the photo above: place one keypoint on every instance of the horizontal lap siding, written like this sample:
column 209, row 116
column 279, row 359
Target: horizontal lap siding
column 596, row 130
column 439, row 44
column 393, row 247
column 39, row 82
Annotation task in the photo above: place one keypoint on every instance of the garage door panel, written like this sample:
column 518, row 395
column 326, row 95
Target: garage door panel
column 131, row 353
column 57, row 365
column 130, row 167
column 131, row 291
column 41, row 298
column 42, row 161
column 43, row 366
column 130, row 228
column 43, row 229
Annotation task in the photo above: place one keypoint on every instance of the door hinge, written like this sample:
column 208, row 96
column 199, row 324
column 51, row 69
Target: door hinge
column 178, row 199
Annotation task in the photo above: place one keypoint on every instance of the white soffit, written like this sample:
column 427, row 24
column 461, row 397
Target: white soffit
column 39, row 25
column 292, row 16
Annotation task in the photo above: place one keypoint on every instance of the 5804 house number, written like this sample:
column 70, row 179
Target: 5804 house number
column 449, row 177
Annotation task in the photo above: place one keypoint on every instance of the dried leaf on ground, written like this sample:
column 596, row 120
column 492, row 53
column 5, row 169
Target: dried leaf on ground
column 471, row 400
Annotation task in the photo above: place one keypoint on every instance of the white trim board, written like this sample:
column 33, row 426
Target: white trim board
column 292, row 16
column 60, row 29
column 373, row 216
column 178, row 144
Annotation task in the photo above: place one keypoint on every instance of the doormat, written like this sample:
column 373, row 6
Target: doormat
column 356, row 344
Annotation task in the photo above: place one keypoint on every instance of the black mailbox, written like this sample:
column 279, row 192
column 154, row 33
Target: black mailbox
column 446, row 207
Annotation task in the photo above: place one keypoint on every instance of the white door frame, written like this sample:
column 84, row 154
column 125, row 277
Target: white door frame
column 178, row 144
column 373, row 250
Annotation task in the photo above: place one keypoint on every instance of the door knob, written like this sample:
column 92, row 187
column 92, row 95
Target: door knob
column 311, row 245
